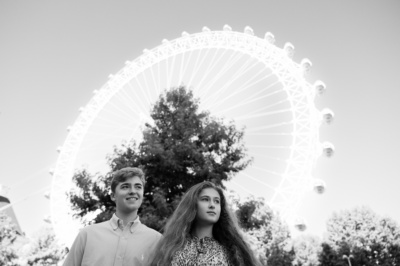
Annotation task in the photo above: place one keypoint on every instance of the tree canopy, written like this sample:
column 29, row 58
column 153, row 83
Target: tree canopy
column 361, row 236
column 361, row 227
column 266, row 232
column 43, row 249
column 307, row 248
column 8, row 236
column 181, row 147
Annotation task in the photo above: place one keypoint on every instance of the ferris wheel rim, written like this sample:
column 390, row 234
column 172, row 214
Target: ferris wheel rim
column 300, row 93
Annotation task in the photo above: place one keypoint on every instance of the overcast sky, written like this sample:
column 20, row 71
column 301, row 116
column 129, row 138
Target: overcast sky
column 54, row 54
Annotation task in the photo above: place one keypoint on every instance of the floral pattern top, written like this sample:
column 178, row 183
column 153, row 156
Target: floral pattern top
column 201, row 252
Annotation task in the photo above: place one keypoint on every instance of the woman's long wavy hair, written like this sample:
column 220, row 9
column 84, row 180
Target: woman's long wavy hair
column 226, row 231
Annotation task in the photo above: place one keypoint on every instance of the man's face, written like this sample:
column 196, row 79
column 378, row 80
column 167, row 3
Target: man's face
column 208, row 206
column 128, row 195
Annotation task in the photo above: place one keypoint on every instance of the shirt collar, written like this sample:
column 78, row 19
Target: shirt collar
column 118, row 223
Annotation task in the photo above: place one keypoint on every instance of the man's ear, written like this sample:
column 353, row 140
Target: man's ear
column 112, row 196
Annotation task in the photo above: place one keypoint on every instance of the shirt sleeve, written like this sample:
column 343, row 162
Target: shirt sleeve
column 75, row 254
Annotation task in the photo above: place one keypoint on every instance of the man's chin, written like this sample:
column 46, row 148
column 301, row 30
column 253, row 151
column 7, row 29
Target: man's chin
column 131, row 208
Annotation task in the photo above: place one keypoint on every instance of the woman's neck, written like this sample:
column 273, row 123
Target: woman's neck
column 202, row 231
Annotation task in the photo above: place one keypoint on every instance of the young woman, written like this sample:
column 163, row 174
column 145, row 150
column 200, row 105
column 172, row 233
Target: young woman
column 203, row 231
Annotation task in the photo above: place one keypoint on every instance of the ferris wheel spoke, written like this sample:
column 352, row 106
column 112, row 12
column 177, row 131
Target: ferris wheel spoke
column 217, row 74
column 251, row 99
column 269, row 147
column 171, row 68
column 264, row 156
column 144, row 88
column 243, row 68
column 153, row 79
column 264, row 114
column 196, row 68
column 258, row 181
column 272, row 173
column 276, row 125
column 267, row 107
column 140, row 100
column 249, row 83
column 270, row 134
column 237, row 184
column 199, row 61
column 118, row 111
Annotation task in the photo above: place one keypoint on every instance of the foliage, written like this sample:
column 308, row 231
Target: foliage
column 91, row 196
column 18, row 250
column 307, row 249
column 268, row 235
column 361, row 227
column 279, row 256
column 180, row 148
column 363, row 237
column 377, row 254
column 8, row 237
column 43, row 249
column 328, row 256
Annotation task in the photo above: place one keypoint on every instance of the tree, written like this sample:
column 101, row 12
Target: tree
column 363, row 235
column 267, row 234
column 329, row 256
column 307, row 249
column 8, row 237
column 376, row 254
column 279, row 256
column 361, row 227
column 43, row 249
column 182, row 147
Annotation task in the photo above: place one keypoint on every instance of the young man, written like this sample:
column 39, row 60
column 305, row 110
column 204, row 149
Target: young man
column 123, row 240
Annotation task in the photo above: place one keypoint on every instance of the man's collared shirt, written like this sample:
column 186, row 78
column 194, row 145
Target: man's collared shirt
column 110, row 243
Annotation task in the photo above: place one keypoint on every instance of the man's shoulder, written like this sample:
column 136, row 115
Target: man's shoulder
column 149, row 230
column 96, row 227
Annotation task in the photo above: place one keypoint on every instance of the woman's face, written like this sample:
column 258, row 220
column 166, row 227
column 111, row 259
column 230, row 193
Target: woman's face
column 208, row 206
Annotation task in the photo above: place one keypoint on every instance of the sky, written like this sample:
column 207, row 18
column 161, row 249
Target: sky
column 53, row 55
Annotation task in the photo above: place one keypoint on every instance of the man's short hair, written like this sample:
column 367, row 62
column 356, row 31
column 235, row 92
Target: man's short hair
column 123, row 174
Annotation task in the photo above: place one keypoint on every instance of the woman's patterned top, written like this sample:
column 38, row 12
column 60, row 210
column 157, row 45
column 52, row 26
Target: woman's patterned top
column 201, row 252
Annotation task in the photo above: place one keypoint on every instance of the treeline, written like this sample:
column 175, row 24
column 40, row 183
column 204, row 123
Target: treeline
column 181, row 147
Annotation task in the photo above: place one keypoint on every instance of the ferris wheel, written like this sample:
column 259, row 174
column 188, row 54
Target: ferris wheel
column 237, row 76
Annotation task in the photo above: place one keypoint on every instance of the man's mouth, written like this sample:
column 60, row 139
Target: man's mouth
column 132, row 198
